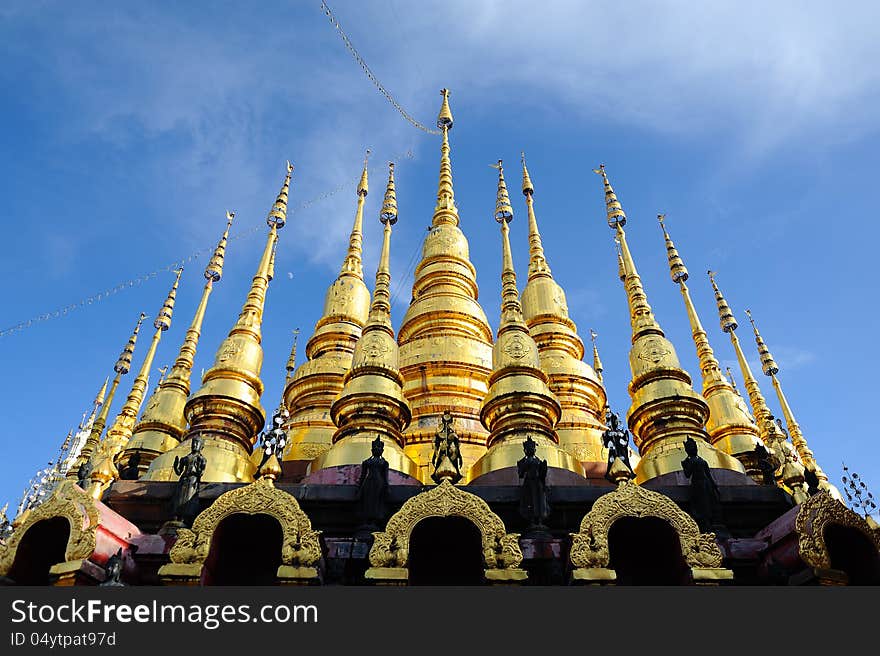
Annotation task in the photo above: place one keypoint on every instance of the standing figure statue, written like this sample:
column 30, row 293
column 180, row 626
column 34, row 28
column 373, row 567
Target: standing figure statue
column 373, row 486
column 130, row 471
column 447, row 452
column 705, row 499
column 274, row 440
column 113, row 571
column 190, row 469
column 812, row 481
column 84, row 474
column 766, row 465
column 533, row 504
column 616, row 440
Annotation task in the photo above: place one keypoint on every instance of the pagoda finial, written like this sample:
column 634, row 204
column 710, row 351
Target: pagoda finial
column 388, row 214
column 380, row 308
column 511, row 310
column 291, row 361
column 537, row 261
column 363, row 187
column 445, row 211
column 597, row 363
column 162, row 424
column 352, row 265
column 730, row 428
column 616, row 215
column 621, row 267
column 798, row 440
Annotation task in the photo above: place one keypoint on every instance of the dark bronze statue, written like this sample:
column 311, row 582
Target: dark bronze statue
column 130, row 471
column 190, row 469
column 373, row 486
column 811, row 480
column 113, row 570
column 765, row 464
column 83, row 474
column 533, row 504
column 616, row 440
column 447, row 459
column 705, row 499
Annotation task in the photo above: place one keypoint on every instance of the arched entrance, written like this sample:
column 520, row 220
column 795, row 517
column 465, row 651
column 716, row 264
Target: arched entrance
column 852, row 552
column 245, row 550
column 646, row 551
column 445, row 551
column 40, row 547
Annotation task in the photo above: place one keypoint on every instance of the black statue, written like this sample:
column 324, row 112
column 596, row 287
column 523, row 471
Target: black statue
column 616, row 440
column 83, row 474
column 705, row 500
column 447, row 459
column 275, row 439
column 765, row 464
column 373, row 486
column 130, row 471
column 190, row 469
column 811, row 480
column 533, row 503
column 113, row 570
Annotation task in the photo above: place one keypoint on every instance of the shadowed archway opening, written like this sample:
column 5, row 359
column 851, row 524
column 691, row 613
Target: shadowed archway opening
column 646, row 551
column 43, row 545
column 445, row 551
column 245, row 550
column 851, row 551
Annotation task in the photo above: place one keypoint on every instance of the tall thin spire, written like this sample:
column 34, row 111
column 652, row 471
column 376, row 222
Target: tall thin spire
column 730, row 429
column 519, row 403
column 291, row 360
column 445, row 212
column 162, row 424
column 770, row 368
column 665, row 409
column 371, row 403
column 118, row 435
column 445, row 339
column 769, row 432
column 309, row 392
column 122, row 367
column 577, row 387
column 597, row 363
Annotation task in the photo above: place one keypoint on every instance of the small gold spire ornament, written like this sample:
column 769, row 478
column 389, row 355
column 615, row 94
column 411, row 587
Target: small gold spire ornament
column 291, row 361
column 597, row 363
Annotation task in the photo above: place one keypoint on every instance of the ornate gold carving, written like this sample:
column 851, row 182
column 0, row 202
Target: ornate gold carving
column 69, row 502
column 391, row 547
column 589, row 547
column 517, row 347
column 300, row 544
column 815, row 514
column 653, row 350
column 374, row 346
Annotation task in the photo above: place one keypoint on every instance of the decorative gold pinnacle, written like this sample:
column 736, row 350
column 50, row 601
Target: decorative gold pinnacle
column 352, row 265
column 537, row 261
column 363, row 187
column 616, row 215
column 527, row 187
column 730, row 428
column 214, row 270
column 445, row 211
column 388, row 214
column 291, row 361
column 123, row 364
column 770, row 368
column 597, row 363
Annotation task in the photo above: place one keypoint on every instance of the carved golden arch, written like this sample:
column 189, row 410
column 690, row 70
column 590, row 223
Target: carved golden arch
column 501, row 549
column 817, row 513
column 69, row 502
column 589, row 547
column 300, row 544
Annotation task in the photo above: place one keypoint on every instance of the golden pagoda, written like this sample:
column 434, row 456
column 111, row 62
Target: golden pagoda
column 318, row 381
column 445, row 339
column 433, row 455
column 576, row 385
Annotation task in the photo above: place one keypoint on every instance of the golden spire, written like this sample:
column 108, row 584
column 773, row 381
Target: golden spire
column 291, row 361
column 621, row 268
column 730, row 428
column 371, row 403
column 118, row 435
column 309, row 392
column 226, row 411
column 445, row 339
column 96, row 405
column 363, row 187
column 770, row 368
column 122, row 367
column 665, row 409
column 597, row 363
column 445, row 212
column 576, row 386
column 769, row 432
column 519, row 403
column 162, row 423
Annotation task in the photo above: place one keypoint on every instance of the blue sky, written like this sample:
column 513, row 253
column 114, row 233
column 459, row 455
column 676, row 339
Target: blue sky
column 128, row 130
